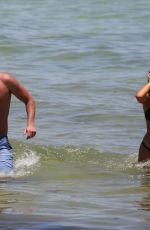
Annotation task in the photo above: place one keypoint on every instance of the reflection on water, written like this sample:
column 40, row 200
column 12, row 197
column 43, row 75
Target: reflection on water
column 10, row 200
column 145, row 183
column 7, row 199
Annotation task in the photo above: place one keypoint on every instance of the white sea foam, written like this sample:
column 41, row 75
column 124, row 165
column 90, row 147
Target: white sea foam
column 23, row 165
column 26, row 163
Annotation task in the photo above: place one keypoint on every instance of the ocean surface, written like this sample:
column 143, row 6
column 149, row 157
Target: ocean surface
column 83, row 62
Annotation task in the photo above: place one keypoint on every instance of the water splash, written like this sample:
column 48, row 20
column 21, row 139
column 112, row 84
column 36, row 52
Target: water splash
column 26, row 163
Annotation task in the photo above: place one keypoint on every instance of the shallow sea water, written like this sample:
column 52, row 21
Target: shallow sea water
column 82, row 62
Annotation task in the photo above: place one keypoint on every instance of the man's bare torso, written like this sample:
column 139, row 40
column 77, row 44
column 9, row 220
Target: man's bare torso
column 5, row 97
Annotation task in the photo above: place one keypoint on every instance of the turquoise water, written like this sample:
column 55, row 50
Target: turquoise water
column 83, row 62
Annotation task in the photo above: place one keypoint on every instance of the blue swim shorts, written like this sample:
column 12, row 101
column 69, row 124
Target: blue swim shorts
column 6, row 155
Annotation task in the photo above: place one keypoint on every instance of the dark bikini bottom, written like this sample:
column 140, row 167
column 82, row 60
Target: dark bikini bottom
column 146, row 147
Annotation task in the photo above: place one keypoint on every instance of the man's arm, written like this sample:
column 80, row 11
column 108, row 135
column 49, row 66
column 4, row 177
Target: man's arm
column 22, row 94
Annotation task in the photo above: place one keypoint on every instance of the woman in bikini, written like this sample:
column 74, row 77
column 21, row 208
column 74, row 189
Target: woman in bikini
column 143, row 96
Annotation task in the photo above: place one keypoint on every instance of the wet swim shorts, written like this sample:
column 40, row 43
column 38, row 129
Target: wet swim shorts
column 6, row 158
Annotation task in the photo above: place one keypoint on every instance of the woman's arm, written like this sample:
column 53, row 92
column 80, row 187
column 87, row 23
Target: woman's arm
column 142, row 95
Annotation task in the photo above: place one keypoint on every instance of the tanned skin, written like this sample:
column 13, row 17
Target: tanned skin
column 8, row 86
column 143, row 97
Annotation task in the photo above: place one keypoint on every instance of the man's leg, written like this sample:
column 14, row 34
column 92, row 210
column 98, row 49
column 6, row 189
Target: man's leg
column 6, row 160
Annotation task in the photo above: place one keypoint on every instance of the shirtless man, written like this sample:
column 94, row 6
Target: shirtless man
column 8, row 86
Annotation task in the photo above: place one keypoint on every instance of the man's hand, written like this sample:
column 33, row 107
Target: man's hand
column 30, row 132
